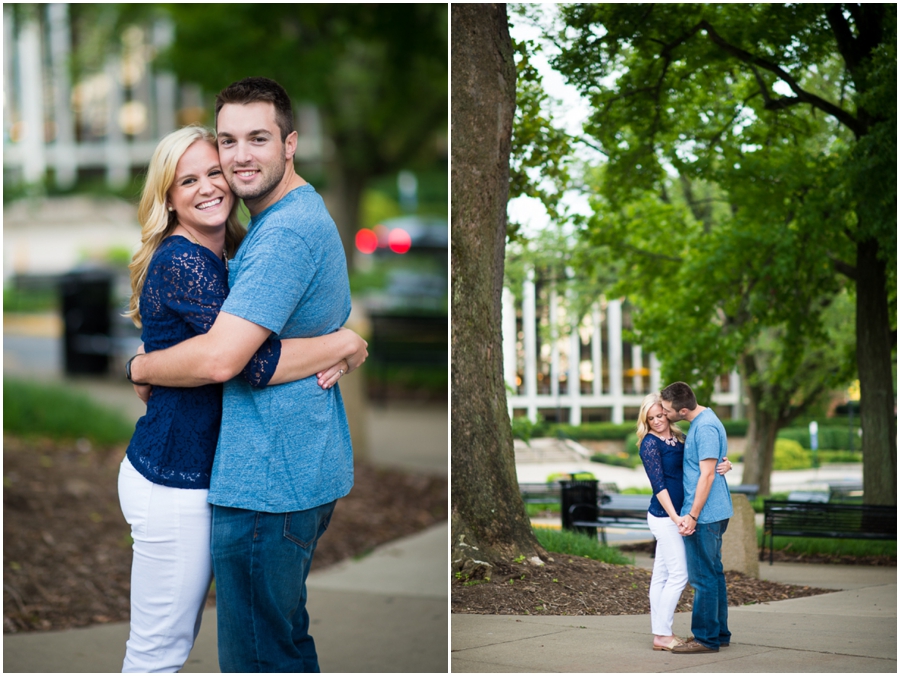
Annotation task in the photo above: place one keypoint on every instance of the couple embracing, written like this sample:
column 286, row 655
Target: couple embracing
column 236, row 481
column 688, row 515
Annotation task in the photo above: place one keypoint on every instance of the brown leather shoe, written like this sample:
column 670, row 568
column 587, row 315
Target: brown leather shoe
column 693, row 647
column 721, row 645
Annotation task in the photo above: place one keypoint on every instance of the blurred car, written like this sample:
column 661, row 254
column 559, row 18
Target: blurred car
column 403, row 264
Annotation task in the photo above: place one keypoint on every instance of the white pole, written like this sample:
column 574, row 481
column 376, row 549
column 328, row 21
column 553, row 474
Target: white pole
column 596, row 351
column 65, row 160
column 614, row 326
column 509, row 338
column 529, row 326
column 31, row 81
column 117, row 160
column 554, row 343
column 637, row 364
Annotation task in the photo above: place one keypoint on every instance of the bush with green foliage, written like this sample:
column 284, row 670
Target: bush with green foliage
column 560, row 476
column 601, row 431
column 579, row 544
column 630, row 461
column 524, row 429
column 791, row 455
column 831, row 438
column 41, row 410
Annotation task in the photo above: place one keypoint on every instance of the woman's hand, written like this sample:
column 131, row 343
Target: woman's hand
column 724, row 466
column 329, row 377
column 142, row 391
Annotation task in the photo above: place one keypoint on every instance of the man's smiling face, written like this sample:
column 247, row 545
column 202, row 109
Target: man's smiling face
column 250, row 148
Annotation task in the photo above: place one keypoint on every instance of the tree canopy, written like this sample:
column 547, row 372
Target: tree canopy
column 751, row 176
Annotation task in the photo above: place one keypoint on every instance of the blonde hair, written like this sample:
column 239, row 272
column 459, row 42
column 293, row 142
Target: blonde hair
column 157, row 222
column 643, row 429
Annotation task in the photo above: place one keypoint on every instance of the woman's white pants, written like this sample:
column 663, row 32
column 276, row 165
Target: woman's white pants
column 670, row 574
column 171, row 571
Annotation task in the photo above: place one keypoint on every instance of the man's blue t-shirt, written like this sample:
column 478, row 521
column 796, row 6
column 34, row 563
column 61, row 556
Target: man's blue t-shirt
column 706, row 439
column 287, row 447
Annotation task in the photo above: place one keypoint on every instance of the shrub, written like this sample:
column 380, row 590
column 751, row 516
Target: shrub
column 630, row 461
column 524, row 429
column 791, row 455
column 32, row 409
column 594, row 431
column 830, row 438
column 559, row 476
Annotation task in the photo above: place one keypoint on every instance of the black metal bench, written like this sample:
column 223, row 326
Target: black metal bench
column 613, row 510
column 826, row 520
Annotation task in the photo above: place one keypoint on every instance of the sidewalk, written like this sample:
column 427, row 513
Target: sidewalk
column 384, row 613
column 854, row 630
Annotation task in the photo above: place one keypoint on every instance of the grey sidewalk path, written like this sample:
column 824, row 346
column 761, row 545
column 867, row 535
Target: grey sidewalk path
column 384, row 613
column 846, row 631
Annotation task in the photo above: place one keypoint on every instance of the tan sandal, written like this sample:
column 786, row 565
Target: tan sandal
column 671, row 644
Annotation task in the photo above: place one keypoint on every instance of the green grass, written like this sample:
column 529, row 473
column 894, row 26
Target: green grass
column 537, row 508
column 833, row 546
column 30, row 300
column 39, row 410
column 579, row 544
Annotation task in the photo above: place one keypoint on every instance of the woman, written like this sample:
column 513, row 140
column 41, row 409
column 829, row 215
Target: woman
column 662, row 452
column 179, row 282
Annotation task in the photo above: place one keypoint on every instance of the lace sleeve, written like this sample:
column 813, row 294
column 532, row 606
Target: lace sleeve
column 261, row 367
column 190, row 287
column 652, row 460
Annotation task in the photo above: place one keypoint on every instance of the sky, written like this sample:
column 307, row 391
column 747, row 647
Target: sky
column 572, row 112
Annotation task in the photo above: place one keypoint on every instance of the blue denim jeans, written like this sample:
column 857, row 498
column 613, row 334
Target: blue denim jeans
column 709, row 621
column 260, row 562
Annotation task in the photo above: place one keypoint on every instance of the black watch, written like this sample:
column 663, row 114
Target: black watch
column 128, row 371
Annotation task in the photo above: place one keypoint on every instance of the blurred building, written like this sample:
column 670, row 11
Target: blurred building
column 593, row 373
column 107, row 122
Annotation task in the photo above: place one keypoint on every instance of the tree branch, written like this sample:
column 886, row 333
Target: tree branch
column 803, row 96
column 844, row 268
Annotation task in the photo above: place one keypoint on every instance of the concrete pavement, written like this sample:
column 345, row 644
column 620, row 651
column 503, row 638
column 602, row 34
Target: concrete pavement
column 854, row 630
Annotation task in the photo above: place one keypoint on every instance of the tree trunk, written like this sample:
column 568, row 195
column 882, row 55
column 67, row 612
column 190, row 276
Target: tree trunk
column 873, row 359
column 759, row 452
column 345, row 198
column 488, row 520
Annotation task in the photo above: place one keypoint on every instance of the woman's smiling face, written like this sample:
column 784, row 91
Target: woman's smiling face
column 657, row 420
column 200, row 195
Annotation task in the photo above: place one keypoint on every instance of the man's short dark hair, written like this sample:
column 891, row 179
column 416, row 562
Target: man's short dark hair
column 680, row 395
column 254, row 89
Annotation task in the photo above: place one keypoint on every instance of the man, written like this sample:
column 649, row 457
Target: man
column 704, row 518
column 284, row 454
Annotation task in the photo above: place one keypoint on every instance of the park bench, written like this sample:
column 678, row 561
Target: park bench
column 826, row 520
column 611, row 510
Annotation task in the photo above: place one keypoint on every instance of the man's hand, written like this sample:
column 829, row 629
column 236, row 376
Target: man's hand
column 360, row 353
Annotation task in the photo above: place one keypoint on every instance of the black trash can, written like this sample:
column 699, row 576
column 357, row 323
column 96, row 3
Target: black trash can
column 579, row 503
column 85, row 300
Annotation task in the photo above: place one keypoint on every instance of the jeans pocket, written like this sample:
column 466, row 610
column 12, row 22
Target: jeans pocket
column 304, row 528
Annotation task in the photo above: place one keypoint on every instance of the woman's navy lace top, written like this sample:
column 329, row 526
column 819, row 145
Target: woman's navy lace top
column 665, row 469
column 174, row 443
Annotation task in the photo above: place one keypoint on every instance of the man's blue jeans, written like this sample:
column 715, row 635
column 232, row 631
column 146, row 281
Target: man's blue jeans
column 709, row 622
column 260, row 562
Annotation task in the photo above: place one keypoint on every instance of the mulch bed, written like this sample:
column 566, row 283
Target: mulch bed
column 67, row 548
column 572, row 585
